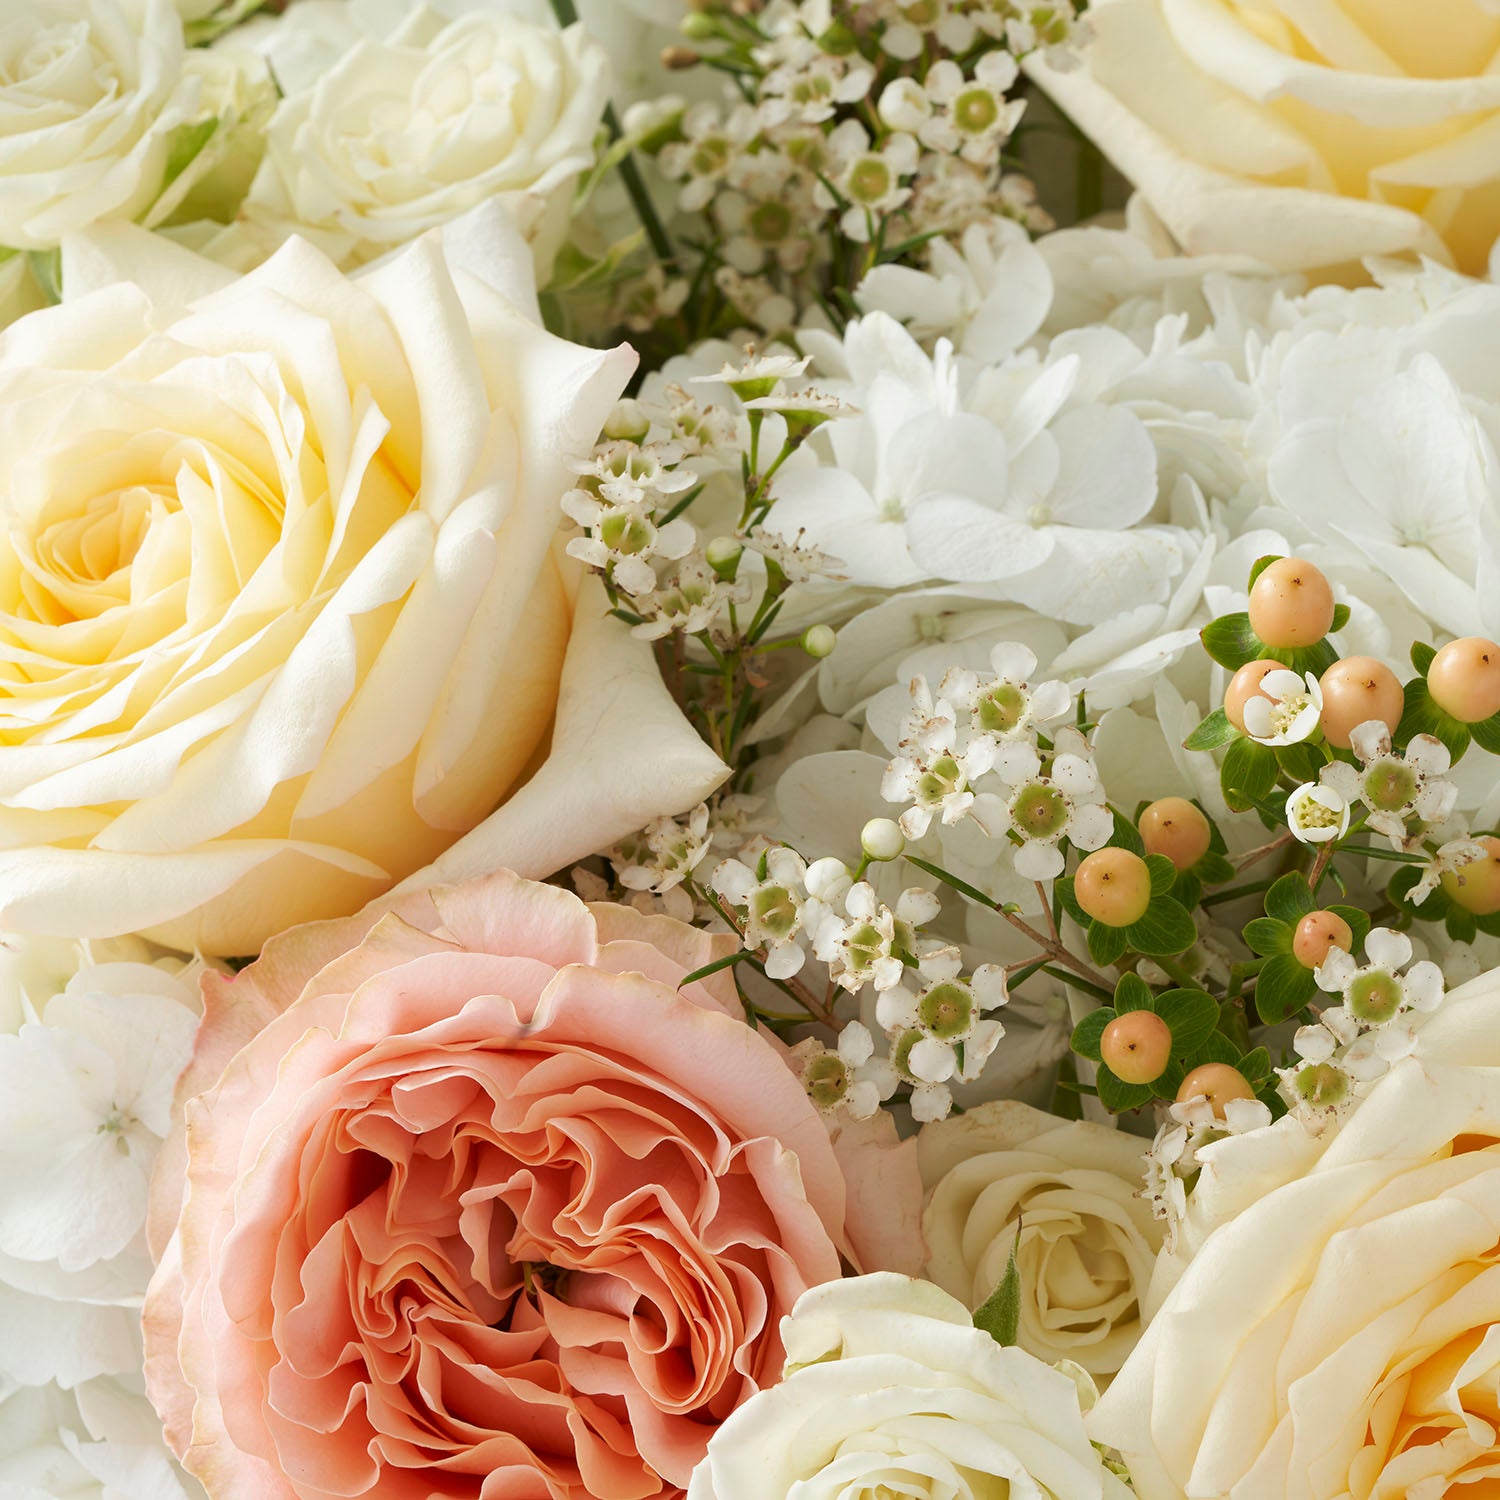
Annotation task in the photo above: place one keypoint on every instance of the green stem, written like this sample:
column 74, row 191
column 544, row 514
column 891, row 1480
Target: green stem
column 630, row 174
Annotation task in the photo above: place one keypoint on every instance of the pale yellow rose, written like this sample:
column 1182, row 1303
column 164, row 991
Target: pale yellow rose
column 1307, row 133
column 283, row 617
column 1336, row 1334
column 1087, row 1240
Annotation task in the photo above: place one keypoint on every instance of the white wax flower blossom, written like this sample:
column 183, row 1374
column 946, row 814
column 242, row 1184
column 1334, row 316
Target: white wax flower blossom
column 1287, row 710
column 756, row 375
column 634, row 473
column 710, row 146
column 841, row 1080
column 1376, row 993
column 1002, row 704
column 665, row 853
column 773, row 905
column 396, row 120
column 936, row 766
column 889, row 1389
column 1396, row 788
column 973, row 118
column 871, row 181
column 955, row 1037
column 690, row 599
column 867, row 943
column 1451, row 857
column 1317, row 814
column 1172, row 1162
column 623, row 539
column 1067, row 802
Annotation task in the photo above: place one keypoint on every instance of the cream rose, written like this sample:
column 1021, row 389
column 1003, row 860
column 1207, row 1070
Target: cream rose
column 99, row 102
column 890, row 1390
column 282, row 614
column 1308, row 135
column 1337, row 1335
column 1066, row 1195
column 397, row 118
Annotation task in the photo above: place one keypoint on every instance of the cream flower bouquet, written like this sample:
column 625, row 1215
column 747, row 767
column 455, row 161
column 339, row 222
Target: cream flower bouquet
column 747, row 750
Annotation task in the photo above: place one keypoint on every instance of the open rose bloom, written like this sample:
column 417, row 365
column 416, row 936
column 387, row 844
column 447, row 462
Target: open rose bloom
column 282, row 618
column 487, row 1206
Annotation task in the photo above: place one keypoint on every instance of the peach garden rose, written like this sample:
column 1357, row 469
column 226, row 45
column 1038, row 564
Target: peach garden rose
column 487, row 1204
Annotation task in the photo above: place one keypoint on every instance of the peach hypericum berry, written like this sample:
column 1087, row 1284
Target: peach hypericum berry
column 1355, row 690
column 1175, row 827
column 1464, row 679
column 1291, row 604
column 1113, row 886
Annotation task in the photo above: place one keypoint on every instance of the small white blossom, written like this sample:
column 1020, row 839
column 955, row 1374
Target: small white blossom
column 1317, row 814
column 771, row 905
column 1002, row 704
column 1171, row 1162
column 710, row 147
column 871, row 182
column 974, row 118
column 1065, row 803
column 665, row 852
column 1396, row 788
column 1450, row 857
column 869, row 942
column 1286, row 711
column 843, row 1080
column 1376, row 993
column 956, row 1038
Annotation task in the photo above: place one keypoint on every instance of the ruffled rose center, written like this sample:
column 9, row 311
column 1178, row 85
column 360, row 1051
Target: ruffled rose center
column 472, row 1282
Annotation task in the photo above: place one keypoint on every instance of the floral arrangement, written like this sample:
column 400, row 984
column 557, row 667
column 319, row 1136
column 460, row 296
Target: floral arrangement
column 746, row 750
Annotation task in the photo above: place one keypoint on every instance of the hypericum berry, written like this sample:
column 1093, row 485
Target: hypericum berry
column 1175, row 827
column 1464, row 679
column 1218, row 1083
column 1113, row 886
column 1476, row 886
column 1137, row 1046
column 1356, row 690
column 1245, row 685
column 1316, row 933
column 1291, row 604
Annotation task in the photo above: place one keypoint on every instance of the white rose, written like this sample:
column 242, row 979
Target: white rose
column 397, row 119
column 1337, row 1330
column 1307, row 136
column 891, row 1390
column 97, row 105
column 282, row 614
column 1087, row 1240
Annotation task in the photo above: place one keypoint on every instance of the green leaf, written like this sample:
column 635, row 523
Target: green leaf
column 1126, row 835
column 1000, row 1316
column 1219, row 1048
column 1422, row 716
column 1267, row 936
column 1063, row 889
column 1340, row 618
column 1133, row 993
column 1163, row 874
column 1188, row 889
column 1260, row 565
column 1462, row 926
column 1487, row 734
column 1301, row 762
column 1290, row 899
column 1214, row 869
column 1358, row 920
column 1316, row 658
column 1170, row 1083
column 1214, row 731
column 1118, row 1097
column 1256, row 1066
column 1282, row 989
column 1087, row 1032
column 1231, row 642
column 1106, row 944
column 1192, row 1016
column 1248, row 773
column 1421, row 656
column 1166, row 928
